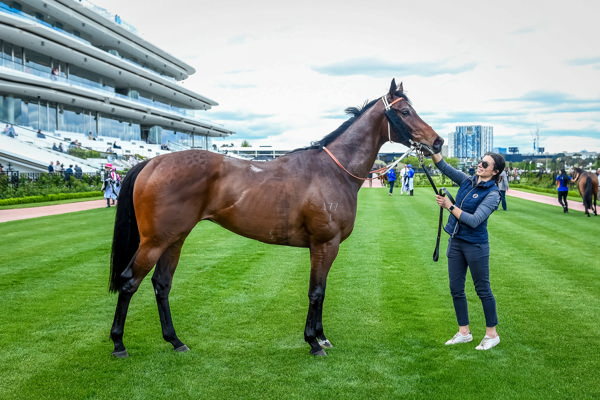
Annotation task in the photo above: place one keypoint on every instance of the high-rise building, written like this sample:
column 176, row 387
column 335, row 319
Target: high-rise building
column 68, row 65
column 471, row 141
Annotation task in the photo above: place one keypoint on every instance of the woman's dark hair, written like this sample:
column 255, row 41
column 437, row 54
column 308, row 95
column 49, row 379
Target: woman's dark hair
column 565, row 177
column 499, row 165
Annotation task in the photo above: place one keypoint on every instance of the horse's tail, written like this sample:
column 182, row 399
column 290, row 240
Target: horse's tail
column 126, row 237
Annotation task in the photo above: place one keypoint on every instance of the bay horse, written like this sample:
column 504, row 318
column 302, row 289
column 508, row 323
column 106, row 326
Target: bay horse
column 301, row 199
column 587, row 183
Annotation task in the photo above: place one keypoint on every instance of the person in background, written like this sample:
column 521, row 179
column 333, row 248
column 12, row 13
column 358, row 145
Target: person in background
column 409, row 179
column 468, row 246
column 562, row 186
column 109, row 185
column 503, row 187
column 391, row 179
column 40, row 135
column 51, row 167
column 68, row 175
column 11, row 131
column 403, row 178
column 78, row 172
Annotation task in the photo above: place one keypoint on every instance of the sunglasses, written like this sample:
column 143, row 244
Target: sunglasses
column 484, row 164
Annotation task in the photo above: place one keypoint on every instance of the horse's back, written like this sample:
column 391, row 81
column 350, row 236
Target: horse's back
column 281, row 201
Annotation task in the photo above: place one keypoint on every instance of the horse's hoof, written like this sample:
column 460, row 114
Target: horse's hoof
column 325, row 343
column 120, row 354
column 182, row 349
column 318, row 353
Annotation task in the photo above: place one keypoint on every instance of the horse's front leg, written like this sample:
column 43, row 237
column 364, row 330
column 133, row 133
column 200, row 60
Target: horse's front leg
column 321, row 258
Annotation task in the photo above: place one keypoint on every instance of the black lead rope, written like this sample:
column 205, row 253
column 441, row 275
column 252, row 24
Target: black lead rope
column 442, row 192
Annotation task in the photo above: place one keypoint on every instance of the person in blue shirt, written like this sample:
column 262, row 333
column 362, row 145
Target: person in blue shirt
column 562, row 186
column 409, row 180
column 468, row 247
column 391, row 179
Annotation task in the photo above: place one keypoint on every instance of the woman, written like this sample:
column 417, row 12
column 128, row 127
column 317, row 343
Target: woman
column 110, row 186
column 468, row 247
column 562, row 186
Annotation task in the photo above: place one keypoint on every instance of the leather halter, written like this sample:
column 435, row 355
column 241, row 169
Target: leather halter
column 396, row 122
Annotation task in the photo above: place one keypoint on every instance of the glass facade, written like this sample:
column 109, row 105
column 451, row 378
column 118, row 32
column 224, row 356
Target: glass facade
column 472, row 141
column 50, row 116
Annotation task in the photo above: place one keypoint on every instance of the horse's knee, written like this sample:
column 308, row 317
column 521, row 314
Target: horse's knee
column 316, row 295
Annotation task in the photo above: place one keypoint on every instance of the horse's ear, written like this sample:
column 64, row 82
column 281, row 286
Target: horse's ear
column 393, row 87
column 400, row 88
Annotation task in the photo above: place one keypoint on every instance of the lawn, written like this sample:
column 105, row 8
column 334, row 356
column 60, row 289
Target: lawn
column 241, row 305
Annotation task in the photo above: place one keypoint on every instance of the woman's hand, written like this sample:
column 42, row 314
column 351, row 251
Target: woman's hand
column 443, row 201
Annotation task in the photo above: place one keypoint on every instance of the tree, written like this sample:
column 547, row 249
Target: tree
column 245, row 143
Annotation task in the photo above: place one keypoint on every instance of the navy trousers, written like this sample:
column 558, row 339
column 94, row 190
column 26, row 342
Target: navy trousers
column 475, row 257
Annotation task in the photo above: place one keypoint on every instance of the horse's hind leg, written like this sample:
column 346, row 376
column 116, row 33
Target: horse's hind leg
column 162, row 280
column 141, row 263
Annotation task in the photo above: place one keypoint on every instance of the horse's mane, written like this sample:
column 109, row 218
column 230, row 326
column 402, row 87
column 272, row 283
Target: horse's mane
column 356, row 113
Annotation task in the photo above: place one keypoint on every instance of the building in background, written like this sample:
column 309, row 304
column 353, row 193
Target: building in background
column 471, row 141
column 70, row 66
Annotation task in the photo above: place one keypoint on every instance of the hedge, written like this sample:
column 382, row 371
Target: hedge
column 48, row 197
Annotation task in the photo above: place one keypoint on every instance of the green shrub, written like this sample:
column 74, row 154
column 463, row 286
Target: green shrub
column 83, row 153
column 48, row 197
column 47, row 184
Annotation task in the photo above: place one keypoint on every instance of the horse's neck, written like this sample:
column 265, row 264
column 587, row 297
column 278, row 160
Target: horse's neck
column 357, row 148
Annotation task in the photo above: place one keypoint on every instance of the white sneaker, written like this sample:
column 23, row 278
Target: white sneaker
column 488, row 342
column 460, row 338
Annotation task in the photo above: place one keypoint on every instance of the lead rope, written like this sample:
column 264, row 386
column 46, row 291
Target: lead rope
column 442, row 192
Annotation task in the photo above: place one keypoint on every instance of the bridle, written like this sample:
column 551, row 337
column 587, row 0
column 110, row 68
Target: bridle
column 394, row 121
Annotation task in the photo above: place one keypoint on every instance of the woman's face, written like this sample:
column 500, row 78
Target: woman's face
column 485, row 168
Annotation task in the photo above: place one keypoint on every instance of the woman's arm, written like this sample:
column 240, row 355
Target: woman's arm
column 455, row 175
column 484, row 210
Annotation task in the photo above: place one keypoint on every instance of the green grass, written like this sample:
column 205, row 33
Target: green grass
column 241, row 305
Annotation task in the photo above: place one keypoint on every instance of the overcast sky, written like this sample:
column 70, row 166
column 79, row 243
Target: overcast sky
column 284, row 71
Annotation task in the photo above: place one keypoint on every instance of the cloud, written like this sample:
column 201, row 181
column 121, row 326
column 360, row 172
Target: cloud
column 551, row 102
column 582, row 62
column 376, row 68
column 236, row 116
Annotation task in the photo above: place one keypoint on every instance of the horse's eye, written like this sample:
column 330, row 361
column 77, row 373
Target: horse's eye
column 405, row 113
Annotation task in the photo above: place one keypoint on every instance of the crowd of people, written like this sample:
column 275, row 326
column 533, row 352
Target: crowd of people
column 59, row 168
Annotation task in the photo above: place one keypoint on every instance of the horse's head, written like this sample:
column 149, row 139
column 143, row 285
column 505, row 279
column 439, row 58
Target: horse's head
column 576, row 173
column 406, row 125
